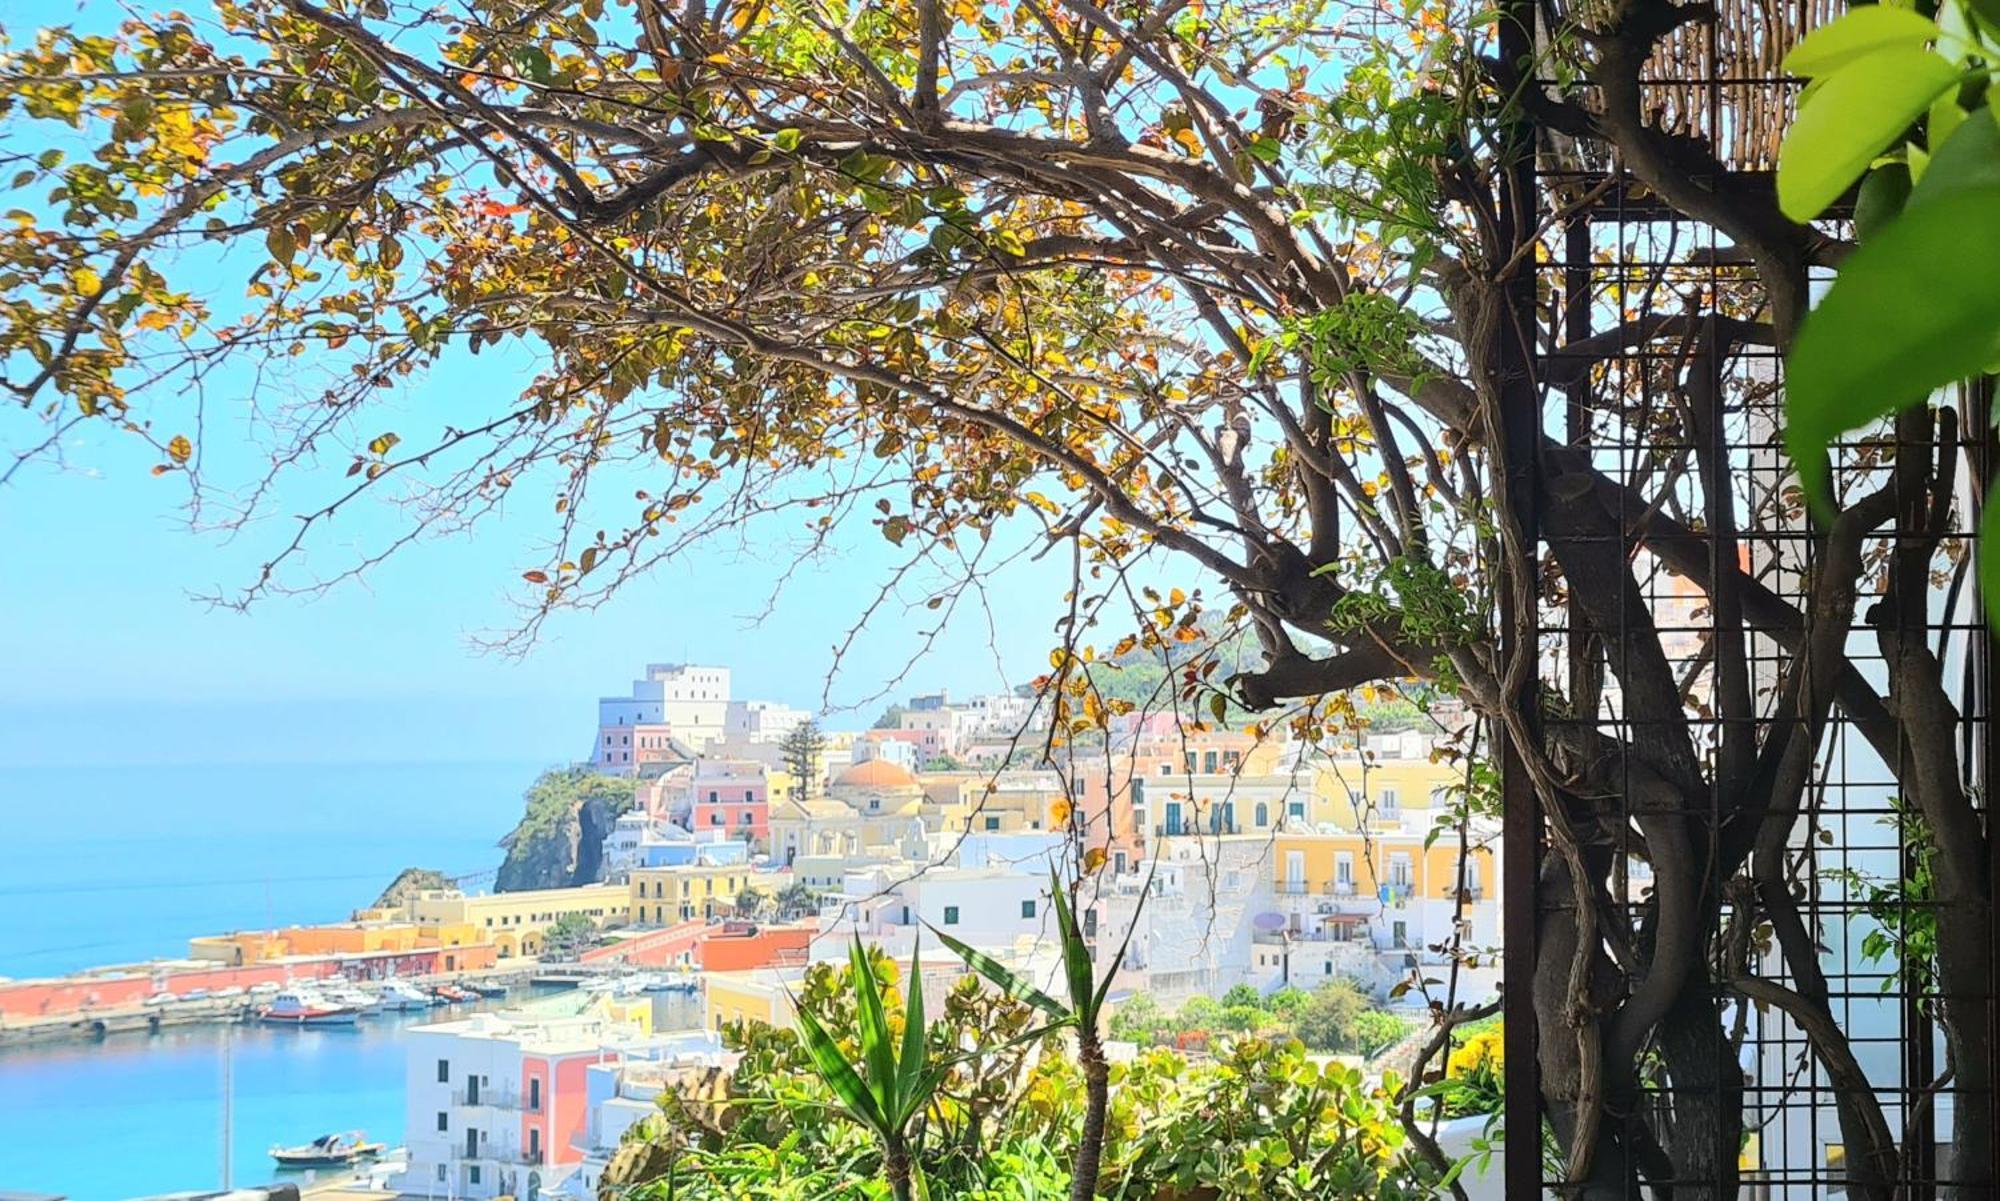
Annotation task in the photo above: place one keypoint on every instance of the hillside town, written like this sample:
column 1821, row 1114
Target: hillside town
column 744, row 845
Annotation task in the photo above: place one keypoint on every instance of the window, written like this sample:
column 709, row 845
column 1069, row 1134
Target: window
column 472, row 1174
column 1190, row 762
column 444, row 1071
column 444, row 1120
column 715, row 819
column 1326, row 968
column 441, row 1171
column 1387, row 803
column 1400, row 933
column 951, row 915
column 1166, row 769
column 1399, row 870
column 745, row 819
column 1208, row 762
column 749, row 796
column 1173, row 817
column 1296, row 809
column 1343, row 868
column 534, row 1094
column 993, row 823
column 534, row 1145
column 874, row 803
column 1263, row 815
column 712, row 796
column 1027, row 909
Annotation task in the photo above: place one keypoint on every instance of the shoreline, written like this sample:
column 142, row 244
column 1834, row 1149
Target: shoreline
column 97, row 1025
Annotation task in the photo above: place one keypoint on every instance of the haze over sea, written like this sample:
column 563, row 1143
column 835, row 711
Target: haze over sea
column 111, row 864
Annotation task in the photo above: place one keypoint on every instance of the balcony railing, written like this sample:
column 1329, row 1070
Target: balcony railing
column 489, row 1098
column 1293, row 888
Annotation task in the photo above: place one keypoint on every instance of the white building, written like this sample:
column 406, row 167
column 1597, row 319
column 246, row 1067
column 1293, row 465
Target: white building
column 620, row 1095
column 1196, row 928
column 691, row 701
column 492, row 1102
column 891, row 903
column 761, row 721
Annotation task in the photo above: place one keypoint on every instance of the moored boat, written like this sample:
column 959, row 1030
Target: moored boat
column 327, row 1151
column 300, row 1007
column 401, row 994
column 490, row 989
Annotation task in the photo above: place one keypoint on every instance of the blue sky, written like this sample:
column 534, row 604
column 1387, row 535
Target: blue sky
column 109, row 658
column 108, row 654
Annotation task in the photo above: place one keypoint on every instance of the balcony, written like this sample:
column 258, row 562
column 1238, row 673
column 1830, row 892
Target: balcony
column 1293, row 888
column 487, row 1098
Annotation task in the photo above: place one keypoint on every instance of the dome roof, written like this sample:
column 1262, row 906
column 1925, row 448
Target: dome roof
column 876, row 773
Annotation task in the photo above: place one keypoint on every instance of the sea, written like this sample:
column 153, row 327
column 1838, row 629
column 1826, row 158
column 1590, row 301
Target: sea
column 102, row 865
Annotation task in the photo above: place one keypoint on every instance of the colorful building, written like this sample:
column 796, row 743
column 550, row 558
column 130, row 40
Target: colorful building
column 730, row 798
column 660, row 896
column 515, row 922
column 497, row 1105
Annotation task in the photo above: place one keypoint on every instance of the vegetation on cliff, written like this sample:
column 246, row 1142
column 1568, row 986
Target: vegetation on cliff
column 559, row 842
column 409, row 882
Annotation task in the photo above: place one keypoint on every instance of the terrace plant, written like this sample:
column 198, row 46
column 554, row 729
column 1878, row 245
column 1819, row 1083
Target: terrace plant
column 1242, row 308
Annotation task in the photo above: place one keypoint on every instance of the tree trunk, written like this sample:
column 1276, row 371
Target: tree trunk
column 896, row 1166
column 1097, row 1103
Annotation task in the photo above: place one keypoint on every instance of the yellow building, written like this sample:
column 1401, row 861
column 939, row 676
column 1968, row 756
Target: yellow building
column 661, row 896
column 341, row 938
column 751, row 996
column 1381, row 790
column 515, row 922
column 1357, row 865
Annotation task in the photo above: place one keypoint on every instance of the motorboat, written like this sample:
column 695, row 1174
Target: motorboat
column 489, row 989
column 451, row 994
column 302, row 1007
column 327, row 1151
column 352, row 997
column 401, row 995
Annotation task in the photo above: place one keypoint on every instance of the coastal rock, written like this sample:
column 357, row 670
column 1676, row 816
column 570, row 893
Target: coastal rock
column 408, row 883
column 559, row 842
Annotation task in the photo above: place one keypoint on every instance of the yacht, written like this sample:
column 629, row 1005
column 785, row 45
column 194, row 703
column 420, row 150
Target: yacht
column 352, row 997
column 401, row 994
column 297, row 1006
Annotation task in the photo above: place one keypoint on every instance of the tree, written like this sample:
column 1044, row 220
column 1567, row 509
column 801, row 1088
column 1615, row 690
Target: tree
column 568, row 934
column 802, row 747
column 751, row 902
column 1246, row 295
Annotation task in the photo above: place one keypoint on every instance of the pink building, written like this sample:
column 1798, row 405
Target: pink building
column 731, row 795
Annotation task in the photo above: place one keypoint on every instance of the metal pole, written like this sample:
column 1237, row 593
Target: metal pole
column 228, row 1088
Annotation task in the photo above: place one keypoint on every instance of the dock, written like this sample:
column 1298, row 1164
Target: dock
column 91, row 1025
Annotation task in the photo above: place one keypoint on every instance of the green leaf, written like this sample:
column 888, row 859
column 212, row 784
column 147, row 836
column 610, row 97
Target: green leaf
column 1076, row 955
column 910, row 1068
column 1860, row 112
column 1861, row 32
column 1970, row 158
column 1911, row 311
column 535, row 63
column 877, row 1052
column 1004, row 978
column 786, row 140
column 838, row 1074
column 1883, row 193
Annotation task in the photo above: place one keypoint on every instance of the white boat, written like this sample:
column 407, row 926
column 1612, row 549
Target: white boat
column 401, row 994
column 303, row 1007
column 352, row 997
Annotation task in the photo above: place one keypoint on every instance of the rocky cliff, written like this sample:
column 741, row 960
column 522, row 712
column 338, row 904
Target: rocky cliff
column 409, row 882
column 560, row 840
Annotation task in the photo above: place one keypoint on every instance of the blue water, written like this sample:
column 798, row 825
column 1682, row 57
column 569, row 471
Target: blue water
column 115, row 864
column 142, row 1114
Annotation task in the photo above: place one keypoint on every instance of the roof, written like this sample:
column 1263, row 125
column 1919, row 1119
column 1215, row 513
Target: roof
column 877, row 773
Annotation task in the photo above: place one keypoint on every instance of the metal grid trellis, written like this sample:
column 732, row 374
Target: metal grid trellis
column 1685, row 417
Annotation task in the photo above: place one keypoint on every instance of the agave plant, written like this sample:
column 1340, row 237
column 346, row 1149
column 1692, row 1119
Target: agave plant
column 1081, row 1012
column 891, row 1087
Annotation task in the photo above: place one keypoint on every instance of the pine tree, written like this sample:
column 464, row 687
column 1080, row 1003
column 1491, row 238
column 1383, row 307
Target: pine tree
column 802, row 748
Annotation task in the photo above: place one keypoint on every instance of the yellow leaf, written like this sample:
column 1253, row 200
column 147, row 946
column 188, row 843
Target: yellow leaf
column 1093, row 859
column 179, row 449
column 86, row 281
